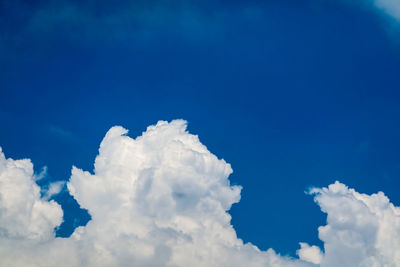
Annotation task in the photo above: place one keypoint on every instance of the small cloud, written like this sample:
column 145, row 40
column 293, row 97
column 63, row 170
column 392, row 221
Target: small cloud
column 309, row 253
column 42, row 174
column 52, row 189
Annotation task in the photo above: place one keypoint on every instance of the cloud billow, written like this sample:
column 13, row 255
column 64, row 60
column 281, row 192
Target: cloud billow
column 162, row 200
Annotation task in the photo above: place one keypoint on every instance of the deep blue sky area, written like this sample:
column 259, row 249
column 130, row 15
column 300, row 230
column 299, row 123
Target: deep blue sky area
column 293, row 94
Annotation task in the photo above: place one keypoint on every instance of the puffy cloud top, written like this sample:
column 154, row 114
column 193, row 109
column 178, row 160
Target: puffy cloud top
column 363, row 229
column 162, row 200
column 23, row 215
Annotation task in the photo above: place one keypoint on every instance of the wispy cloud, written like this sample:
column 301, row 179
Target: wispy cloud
column 52, row 189
column 42, row 174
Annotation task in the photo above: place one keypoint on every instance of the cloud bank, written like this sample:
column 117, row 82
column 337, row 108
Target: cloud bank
column 162, row 200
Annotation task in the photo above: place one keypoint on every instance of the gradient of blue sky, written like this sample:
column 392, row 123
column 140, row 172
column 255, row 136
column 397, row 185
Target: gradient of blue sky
column 291, row 93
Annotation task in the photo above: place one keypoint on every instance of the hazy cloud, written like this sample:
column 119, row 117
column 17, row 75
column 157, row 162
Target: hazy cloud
column 390, row 7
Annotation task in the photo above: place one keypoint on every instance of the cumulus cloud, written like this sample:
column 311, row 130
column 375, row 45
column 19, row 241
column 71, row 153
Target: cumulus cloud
column 162, row 200
column 23, row 215
column 361, row 230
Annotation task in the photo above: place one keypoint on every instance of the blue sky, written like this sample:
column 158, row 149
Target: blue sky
column 292, row 94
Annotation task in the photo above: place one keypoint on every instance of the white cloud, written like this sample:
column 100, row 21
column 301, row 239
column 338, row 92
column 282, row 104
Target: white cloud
column 23, row 215
column 164, row 197
column 309, row 253
column 162, row 200
column 42, row 174
column 52, row 189
column 362, row 230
